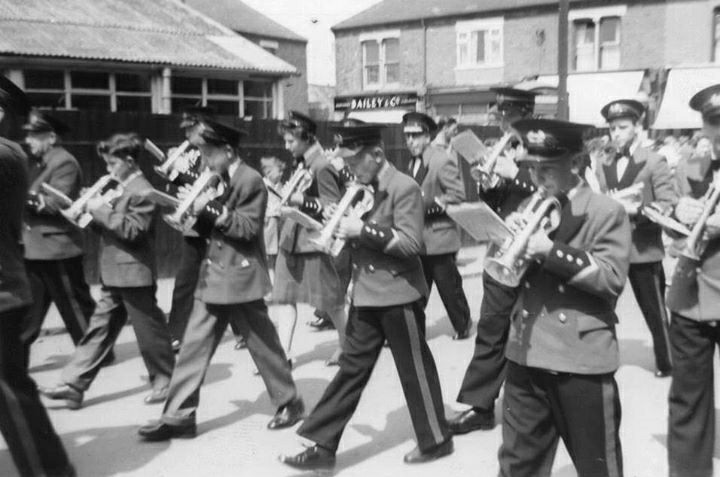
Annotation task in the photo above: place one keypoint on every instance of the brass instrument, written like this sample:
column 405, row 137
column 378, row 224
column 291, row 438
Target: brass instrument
column 696, row 240
column 326, row 241
column 169, row 168
column 483, row 172
column 107, row 187
column 182, row 218
column 508, row 264
column 632, row 194
column 299, row 182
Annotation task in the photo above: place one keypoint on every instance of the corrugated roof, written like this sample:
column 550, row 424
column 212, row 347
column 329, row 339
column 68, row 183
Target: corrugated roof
column 394, row 11
column 241, row 18
column 161, row 32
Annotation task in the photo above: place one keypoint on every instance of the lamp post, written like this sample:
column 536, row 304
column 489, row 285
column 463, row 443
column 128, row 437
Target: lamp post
column 562, row 102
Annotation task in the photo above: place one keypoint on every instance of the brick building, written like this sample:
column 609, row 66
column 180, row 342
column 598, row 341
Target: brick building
column 447, row 56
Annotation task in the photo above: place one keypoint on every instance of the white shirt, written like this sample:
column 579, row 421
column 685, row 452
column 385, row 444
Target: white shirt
column 416, row 166
column 622, row 163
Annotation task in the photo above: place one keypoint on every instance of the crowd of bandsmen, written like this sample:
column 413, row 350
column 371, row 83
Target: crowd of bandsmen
column 550, row 341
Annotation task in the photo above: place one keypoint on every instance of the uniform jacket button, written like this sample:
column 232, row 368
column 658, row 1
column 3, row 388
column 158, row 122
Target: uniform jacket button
column 219, row 244
column 371, row 268
column 562, row 317
column 561, row 288
column 525, row 313
column 526, row 284
column 354, row 265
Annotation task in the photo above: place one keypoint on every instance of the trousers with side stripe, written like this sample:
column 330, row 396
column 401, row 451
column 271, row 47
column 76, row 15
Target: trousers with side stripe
column 61, row 282
column 542, row 407
column 366, row 332
column 648, row 284
column 35, row 447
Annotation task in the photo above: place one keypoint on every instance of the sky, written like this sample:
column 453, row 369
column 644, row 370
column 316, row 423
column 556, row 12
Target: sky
column 313, row 19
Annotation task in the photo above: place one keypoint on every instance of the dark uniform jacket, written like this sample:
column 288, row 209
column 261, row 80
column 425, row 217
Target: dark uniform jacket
column 385, row 261
column 564, row 318
column 509, row 194
column 14, row 285
column 47, row 234
column 326, row 188
column 651, row 169
column 695, row 289
column 441, row 181
column 127, row 256
column 235, row 268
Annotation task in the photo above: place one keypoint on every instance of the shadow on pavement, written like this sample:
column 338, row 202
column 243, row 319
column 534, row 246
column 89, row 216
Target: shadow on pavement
column 123, row 352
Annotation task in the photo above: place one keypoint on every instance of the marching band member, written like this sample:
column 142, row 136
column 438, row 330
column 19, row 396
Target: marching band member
column 562, row 346
column 34, row 446
column 634, row 164
column 302, row 273
column 692, row 299
column 387, row 303
column 232, row 284
column 438, row 176
column 127, row 275
column 486, row 371
column 53, row 246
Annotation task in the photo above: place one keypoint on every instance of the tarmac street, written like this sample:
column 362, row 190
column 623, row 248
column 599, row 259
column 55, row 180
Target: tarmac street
column 232, row 440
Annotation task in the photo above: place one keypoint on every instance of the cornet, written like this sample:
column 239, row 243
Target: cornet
column 170, row 169
column 299, row 182
column 632, row 194
column 508, row 265
column 182, row 218
column 327, row 242
column 107, row 187
column 483, row 172
column 696, row 241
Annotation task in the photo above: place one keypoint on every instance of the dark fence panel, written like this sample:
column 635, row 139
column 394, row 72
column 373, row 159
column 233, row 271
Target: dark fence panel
column 89, row 127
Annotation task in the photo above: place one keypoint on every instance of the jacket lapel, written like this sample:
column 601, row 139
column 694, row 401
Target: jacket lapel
column 635, row 164
column 573, row 217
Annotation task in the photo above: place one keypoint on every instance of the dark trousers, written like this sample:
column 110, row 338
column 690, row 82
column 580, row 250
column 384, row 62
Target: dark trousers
column 192, row 251
column 540, row 407
column 205, row 329
column 648, row 284
column 691, row 423
column 442, row 270
column 113, row 309
column 486, row 372
column 366, row 332
column 35, row 447
column 61, row 282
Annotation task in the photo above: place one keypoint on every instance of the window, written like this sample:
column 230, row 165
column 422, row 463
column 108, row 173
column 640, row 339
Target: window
column 88, row 90
column 716, row 35
column 225, row 96
column 258, row 96
column 480, row 43
column 381, row 59
column 596, row 38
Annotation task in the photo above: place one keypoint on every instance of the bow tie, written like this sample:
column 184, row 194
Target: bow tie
column 624, row 152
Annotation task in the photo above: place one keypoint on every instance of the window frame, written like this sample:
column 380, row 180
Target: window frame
column 469, row 28
column 714, row 57
column 595, row 16
column 379, row 37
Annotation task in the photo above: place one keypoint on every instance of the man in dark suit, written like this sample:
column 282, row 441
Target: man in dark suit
column 485, row 373
column 632, row 165
column 439, row 178
column 233, row 281
column 34, row 446
column 562, row 347
column 694, row 301
column 53, row 246
column 387, row 303
column 127, row 274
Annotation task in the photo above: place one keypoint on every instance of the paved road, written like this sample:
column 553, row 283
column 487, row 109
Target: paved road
column 232, row 440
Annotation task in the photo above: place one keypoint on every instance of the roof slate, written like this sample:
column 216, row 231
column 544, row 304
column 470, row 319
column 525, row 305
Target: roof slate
column 162, row 32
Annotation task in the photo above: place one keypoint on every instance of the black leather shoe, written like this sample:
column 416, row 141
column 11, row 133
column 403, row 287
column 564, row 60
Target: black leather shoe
column 240, row 343
column 416, row 456
column 288, row 415
column 157, row 396
column 321, row 324
column 314, row 457
column 175, row 344
column 472, row 420
column 73, row 397
column 464, row 334
column 159, row 431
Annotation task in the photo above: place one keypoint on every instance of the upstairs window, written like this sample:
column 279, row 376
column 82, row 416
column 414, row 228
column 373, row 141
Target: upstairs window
column 480, row 43
column 716, row 35
column 596, row 38
column 381, row 60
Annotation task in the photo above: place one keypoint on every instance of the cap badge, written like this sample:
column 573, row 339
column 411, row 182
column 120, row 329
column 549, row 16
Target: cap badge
column 616, row 108
column 536, row 137
column 714, row 99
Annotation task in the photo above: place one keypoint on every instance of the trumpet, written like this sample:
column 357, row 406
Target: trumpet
column 696, row 240
column 327, row 242
column 299, row 182
column 483, row 172
column 182, row 218
column 631, row 194
column 169, row 169
column 508, row 264
column 107, row 187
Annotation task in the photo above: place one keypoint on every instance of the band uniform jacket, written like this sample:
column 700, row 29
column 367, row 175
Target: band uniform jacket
column 564, row 318
column 442, row 183
column 127, row 256
column 386, row 266
column 47, row 234
column 235, row 266
column 14, row 285
column 325, row 189
column 507, row 196
column 695, row 289
column 651, row 169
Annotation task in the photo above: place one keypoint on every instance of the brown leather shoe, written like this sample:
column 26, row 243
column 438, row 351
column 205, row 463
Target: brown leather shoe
column 472, row 420
column 73, row 397
column 157, row 431
column 314, row 457
column 416, row 456
column 288, row 415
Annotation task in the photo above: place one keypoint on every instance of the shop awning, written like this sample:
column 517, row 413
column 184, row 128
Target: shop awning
column 589, row 92
column 387, row 116
column 682, row 84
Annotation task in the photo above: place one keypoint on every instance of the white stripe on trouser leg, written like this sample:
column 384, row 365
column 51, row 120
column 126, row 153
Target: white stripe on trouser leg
column 26, row 438
column 663, row 315
column 65, row 280
column 608, row 399
column 416, row 353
